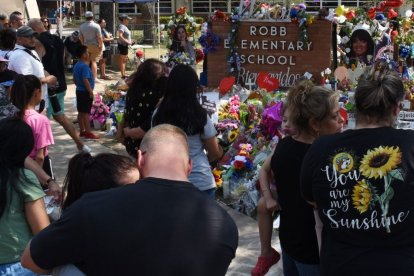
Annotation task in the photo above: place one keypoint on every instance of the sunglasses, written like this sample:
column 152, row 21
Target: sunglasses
column 45, row 21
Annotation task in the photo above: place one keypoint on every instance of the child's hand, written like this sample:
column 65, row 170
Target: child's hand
column 272, row 205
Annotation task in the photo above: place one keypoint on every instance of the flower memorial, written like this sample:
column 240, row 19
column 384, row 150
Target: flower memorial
column 99, row 111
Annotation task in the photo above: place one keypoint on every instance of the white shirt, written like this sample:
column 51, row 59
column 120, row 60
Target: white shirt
column 25, row 64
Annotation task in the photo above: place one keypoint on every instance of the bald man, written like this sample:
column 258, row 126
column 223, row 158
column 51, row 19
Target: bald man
column 162, row 225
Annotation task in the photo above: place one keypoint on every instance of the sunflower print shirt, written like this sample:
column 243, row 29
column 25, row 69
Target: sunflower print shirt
column 363, row 182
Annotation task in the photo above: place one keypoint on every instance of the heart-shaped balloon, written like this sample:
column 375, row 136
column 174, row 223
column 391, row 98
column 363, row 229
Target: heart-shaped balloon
column 381, row 7
column 226, row 84
column 265, row 81
column 392, row 14
column 394, row 3
column 350, row 15
column 371, row 13
column 344, row 114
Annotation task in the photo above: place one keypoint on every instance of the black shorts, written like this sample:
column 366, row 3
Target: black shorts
column 83, row 102
column 106, row 54
column 123, row 50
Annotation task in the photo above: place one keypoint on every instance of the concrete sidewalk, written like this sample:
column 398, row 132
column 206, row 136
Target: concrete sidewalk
column 65, row 148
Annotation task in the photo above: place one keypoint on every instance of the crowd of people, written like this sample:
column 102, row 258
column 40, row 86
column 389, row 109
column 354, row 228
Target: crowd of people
column 344, row 197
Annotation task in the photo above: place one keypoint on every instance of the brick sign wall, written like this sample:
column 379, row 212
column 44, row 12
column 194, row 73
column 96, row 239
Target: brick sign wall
column 272, row 47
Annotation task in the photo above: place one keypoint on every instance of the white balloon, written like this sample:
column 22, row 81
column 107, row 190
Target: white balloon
column 408, row 13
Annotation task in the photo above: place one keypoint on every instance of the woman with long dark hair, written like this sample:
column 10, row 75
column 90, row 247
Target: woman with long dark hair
column 26, row 94
column 181, row 44
column 181, row 107
column 22, row 209
column 147, row 88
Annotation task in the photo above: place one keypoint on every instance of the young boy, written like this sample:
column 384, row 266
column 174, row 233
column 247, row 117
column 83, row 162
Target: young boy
column 85, row 84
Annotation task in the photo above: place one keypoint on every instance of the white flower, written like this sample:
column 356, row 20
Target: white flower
column 344, row 39
column 347, row 50
column 171, row 23
column 327, row 71
column 194, row 24
column 190, row 39
column 162, row 27
column 190, row 19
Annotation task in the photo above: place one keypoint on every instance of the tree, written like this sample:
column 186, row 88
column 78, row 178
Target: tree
column 147, row 10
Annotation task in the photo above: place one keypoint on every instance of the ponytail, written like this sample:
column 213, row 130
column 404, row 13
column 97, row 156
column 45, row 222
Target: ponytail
column 22, row 92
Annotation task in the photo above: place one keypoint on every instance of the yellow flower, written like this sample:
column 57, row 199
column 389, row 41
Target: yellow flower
column 232, row 135
column 380, row 161
column 361, row 196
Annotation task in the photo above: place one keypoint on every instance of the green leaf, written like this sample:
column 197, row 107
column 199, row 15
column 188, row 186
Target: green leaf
column 389, row 194
column 396, row 174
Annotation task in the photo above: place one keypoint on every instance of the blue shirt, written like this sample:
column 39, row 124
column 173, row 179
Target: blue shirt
column 82, row 71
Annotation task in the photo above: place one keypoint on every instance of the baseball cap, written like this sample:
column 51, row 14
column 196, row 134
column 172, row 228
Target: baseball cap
column 25, row 31
column 124, row 16
column 88, row 14
column 75, row 34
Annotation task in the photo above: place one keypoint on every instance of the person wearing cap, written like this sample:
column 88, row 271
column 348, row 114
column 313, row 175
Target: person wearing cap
column 91, row 37
column 124, row 40
column 51, row 51
column 71, row 43
column 24, row 60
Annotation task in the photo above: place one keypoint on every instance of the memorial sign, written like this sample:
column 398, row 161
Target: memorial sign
column 274, row 47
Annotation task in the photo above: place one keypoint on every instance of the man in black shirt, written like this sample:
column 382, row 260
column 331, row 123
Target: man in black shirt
column 162, row 225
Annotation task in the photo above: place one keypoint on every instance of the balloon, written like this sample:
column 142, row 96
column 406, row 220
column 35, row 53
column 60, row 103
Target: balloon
column 340, row 10
column 408, row 13
column 392, row 14
column 226, row 84
column 381, row 7
column 394, row 3
column 344, row 114
column 265, row 81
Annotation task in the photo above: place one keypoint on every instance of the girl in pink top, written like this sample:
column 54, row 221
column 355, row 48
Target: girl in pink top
column 26, row 94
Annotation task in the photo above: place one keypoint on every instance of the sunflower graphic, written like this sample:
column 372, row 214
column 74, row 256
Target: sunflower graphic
column 380, row 161
column 362, row 196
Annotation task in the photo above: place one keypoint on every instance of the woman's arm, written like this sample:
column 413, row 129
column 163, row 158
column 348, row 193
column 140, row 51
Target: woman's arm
column 134, row 133
column 36, row 215
column 40, row 156
column 214, row 150
column 265, row 178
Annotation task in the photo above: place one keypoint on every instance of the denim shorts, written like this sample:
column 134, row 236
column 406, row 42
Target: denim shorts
column 292, row 267
column 14, row 269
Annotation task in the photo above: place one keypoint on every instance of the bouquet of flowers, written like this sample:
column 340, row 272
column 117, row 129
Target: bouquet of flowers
column 179, row 58
column 99, row 111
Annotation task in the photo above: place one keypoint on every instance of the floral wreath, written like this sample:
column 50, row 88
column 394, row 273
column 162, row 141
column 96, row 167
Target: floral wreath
column 209, row 41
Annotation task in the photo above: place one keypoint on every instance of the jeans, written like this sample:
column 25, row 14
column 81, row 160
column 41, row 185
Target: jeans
column 14, row 269
column 211, row 193
column 295, row 268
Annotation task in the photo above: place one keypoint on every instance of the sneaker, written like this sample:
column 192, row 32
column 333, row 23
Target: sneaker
column 90, row 135
column 85, row 149
column 264, row 263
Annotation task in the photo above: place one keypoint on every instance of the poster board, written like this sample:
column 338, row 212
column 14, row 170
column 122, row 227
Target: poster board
column 274, row 47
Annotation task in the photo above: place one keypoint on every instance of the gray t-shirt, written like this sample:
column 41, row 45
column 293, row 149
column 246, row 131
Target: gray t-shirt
column 126, row 34
column 90, row 32
column 201, row 175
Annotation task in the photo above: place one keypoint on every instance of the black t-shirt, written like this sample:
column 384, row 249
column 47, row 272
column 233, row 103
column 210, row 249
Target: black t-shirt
column 356, row 178
column 53, row 61
column 72, row 46
column 139, row 106
column 7, row 75
column 297, row 223
column 153, row 227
